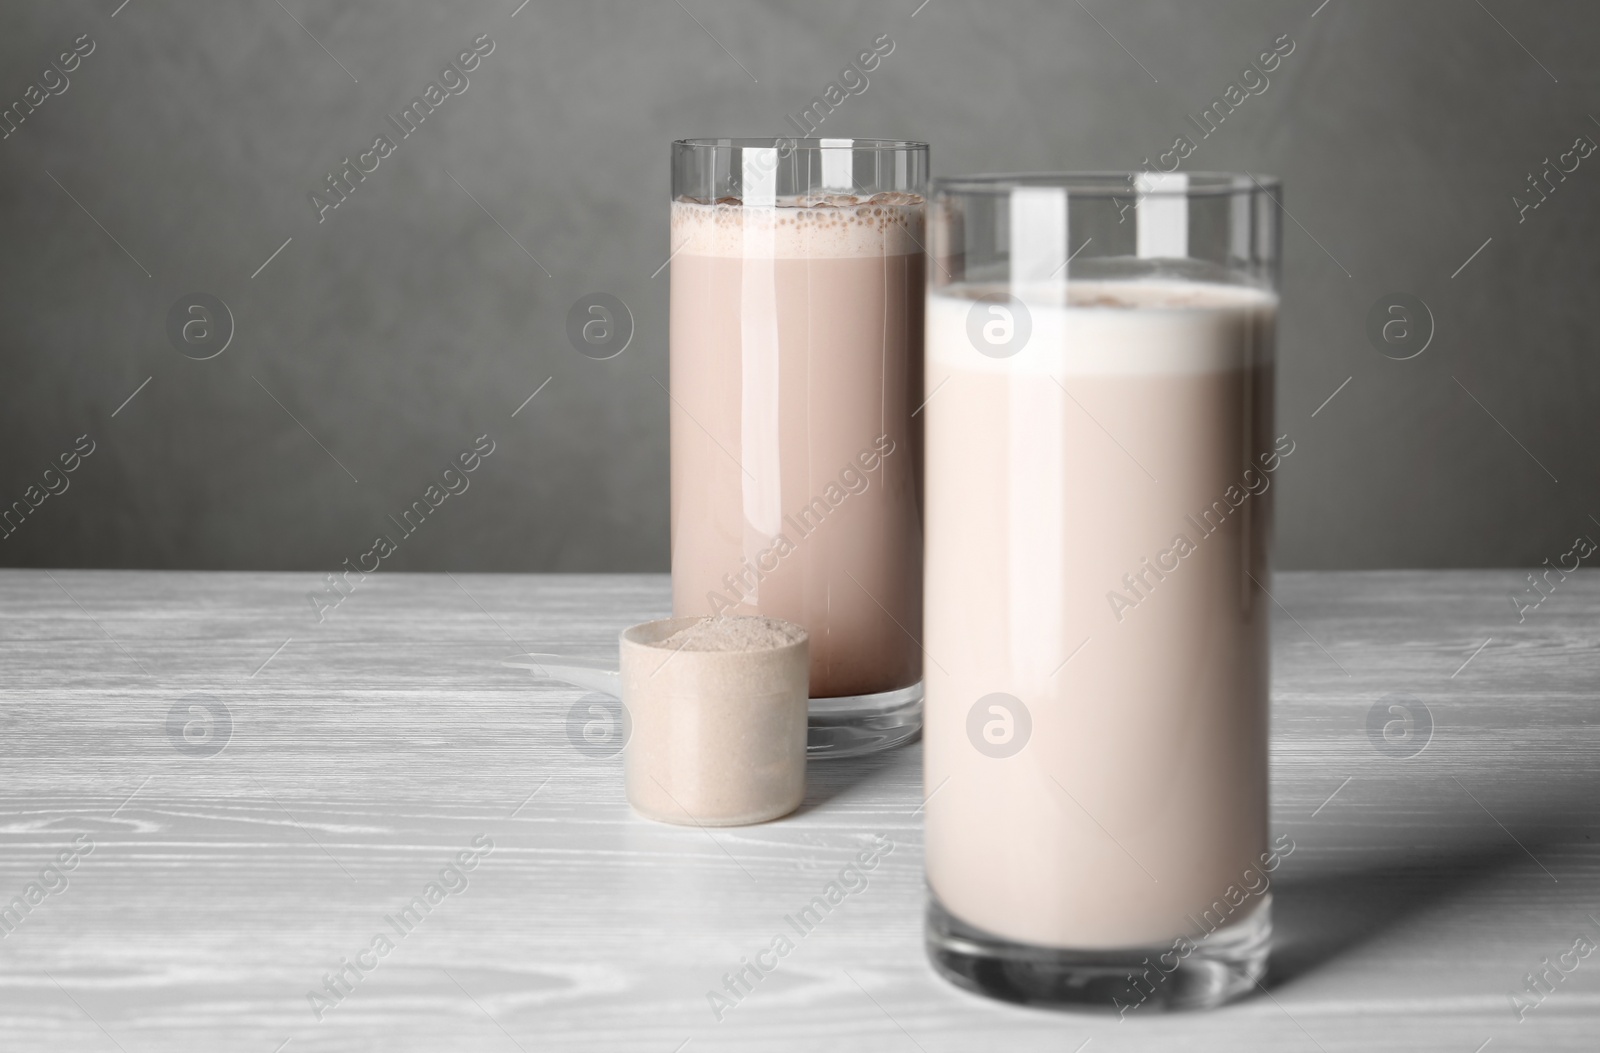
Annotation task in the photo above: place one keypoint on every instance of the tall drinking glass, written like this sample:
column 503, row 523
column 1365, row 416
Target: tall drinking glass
column 796, row 370
column 1100, row 461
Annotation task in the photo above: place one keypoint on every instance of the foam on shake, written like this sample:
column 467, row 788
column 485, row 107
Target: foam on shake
column 812, row 226
column 1083, row 327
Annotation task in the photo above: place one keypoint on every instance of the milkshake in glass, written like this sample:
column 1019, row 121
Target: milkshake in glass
column 797, row 274
column 1101, row 458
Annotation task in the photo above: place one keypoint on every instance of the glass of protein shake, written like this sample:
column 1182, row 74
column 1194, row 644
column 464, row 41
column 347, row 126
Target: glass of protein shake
column 797, row 273
column 1101, row 454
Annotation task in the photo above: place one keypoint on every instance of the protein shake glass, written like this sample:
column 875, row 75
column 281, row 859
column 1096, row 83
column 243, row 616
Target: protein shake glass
column 1100, row 461
column 796, row 372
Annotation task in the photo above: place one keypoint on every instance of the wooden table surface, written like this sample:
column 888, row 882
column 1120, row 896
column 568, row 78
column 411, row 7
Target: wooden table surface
column 211, row 893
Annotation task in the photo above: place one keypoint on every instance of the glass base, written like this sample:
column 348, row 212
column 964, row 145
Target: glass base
column 853, row 725
column 1218, row 967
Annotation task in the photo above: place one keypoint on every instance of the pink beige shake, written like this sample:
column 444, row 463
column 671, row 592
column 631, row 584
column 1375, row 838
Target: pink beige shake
column 1096, row 507
column 796, row 337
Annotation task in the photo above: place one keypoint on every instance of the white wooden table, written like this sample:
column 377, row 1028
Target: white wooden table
column 213, row 893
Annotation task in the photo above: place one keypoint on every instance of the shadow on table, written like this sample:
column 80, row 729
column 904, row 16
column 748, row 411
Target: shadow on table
column 830, row 779
column 1318, row 917
column 1321, row 915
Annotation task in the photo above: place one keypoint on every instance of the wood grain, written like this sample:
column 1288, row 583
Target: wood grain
column 376, row 745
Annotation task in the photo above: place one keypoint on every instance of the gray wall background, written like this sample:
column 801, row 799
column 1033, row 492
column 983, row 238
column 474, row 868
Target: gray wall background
column 409, row 322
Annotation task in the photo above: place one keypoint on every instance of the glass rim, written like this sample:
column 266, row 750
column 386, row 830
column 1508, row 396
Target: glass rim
column 801, row 143
column 1108, row 183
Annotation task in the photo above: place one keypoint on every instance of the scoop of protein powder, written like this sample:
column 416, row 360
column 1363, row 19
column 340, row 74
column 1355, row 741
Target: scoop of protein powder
column 717, row 708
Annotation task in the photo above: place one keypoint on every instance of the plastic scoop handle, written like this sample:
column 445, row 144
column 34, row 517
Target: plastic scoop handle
column 596, row 674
